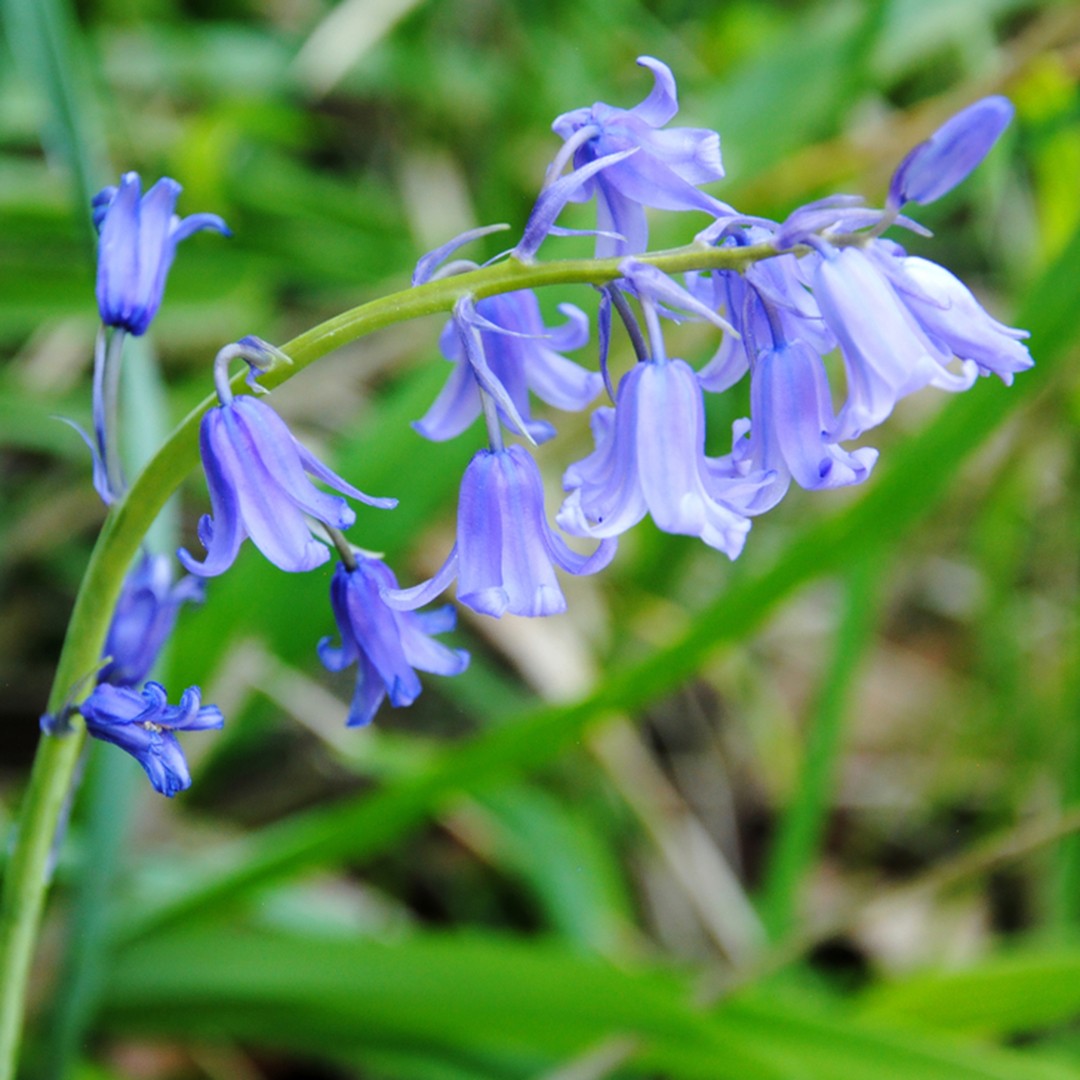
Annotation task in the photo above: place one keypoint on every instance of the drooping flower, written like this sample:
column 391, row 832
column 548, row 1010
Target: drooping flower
column 663, row 173
column 256, row 473
column 506, row 553
column 936, row 166
column 650, row 459
column 144, row 618
column 386, row 645
column 887, row 355
column 522, row 355
column 142, row 723
column 138, row 235
column 787, row 436
column 947, row 311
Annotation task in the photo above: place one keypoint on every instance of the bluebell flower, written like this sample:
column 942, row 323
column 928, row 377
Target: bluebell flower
column 887, row 354
column 522, row 355
column 506, row 553
column 787, row 436
column 386, row 645
column 663, row 173
column 256, row 473
column 936, row 166
column 948, row 313
column 142, row 723
column 650, row 459
column 138, row 238
column 144, row 618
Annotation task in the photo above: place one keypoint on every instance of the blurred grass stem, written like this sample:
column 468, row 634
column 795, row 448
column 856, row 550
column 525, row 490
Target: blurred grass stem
column 799, row 835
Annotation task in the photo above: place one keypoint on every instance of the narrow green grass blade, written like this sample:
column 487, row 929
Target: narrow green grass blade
column 457, row 997
column 1014, row 992
column 557, row 850
column 835, row 1044
column 46, row 42
column 799, row 835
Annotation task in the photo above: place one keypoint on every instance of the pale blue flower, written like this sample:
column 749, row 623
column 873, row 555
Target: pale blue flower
column 787, row 436
column 951, row 317
column 887, row 354
column 506, row 553
column 663, row 173
column 650, row 459
column 386, row 645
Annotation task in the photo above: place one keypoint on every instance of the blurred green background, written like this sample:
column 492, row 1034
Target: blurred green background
column 810, row 816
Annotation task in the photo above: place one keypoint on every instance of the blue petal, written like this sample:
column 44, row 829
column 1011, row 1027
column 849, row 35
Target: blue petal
column 477, row 359
column 144, row 618
column 886, row 355
column 528, row 575
column 662, row 103
column 368, row 695
column 139, row 724
column 605, row 497
column 386, row 644
column 194, row 223
column 480, row 537
column 554, row 198
column 118, row 260
column 270, row 513
column 793, row 407
column 425, row 592
column 946, row 309
column 155, row 249
column 221, row 531
column 456, row 407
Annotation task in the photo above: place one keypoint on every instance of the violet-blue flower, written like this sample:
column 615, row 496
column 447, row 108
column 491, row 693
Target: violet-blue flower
column 386, row 645
column 257, row 475
column 142, row 723
column 522, row 354
column 144, row 618
column 138, row 235
column 936, row 166
column 506, row 553
column 664, row 172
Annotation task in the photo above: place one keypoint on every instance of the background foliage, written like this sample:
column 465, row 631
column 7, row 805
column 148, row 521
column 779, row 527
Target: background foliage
column 808, row 816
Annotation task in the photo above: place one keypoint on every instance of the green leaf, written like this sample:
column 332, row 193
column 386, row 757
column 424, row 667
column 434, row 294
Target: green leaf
column 448, row 999
column 1010, row 993
column 559, row 852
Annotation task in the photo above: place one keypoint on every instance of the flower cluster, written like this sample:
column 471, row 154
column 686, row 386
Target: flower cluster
column 826, row 280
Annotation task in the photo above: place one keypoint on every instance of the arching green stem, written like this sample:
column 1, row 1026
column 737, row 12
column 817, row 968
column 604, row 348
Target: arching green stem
column 26, row 880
